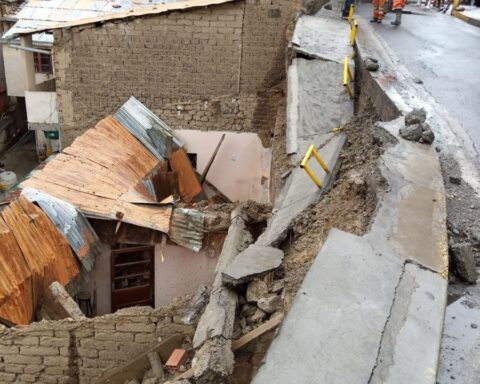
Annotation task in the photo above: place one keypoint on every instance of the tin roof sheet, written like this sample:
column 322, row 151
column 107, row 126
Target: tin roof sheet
column 100, row 173
column 41, row 15
column 34, row 257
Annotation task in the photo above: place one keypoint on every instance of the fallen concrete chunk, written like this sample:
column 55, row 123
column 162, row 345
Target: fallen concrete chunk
column 269, row 304
column 58, row 304
column 463, row 262
column 252, row 262
column 214, row 358
column 156, row 365
column 196, row 305
column 415, row 116
column 427, row 136
column 256, row 290
column 371, row 65
column 411, row 132
column 213, row 361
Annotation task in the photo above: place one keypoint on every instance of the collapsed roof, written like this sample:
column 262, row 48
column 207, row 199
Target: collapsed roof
column 130, row 168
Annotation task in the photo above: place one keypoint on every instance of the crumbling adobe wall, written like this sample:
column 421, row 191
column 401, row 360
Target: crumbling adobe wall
column 80, row 351
column 205, row 68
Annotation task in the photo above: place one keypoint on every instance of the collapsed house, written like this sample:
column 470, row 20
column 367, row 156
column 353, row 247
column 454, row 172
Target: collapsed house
column 138, row 247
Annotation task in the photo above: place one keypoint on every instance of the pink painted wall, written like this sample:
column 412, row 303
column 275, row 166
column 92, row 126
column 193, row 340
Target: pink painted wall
column 241, row 169
column 180, row 272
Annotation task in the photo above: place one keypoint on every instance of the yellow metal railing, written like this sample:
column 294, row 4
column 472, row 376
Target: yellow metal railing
column 347, row 76
column 351, row 13
column 353, row 32
column 304, row 164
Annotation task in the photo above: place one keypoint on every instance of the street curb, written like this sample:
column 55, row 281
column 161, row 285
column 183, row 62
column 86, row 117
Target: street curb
column 465, row 18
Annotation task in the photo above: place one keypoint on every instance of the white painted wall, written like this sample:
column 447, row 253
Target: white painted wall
column 41, row 107
column 241, row 169
column 19, row 69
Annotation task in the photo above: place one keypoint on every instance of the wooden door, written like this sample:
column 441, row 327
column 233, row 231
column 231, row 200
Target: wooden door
column 132, row 271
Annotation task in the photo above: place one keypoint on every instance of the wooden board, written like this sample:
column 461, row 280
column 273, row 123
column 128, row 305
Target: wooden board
column 190, row 188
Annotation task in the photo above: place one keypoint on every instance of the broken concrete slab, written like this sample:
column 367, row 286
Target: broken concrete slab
column 343, row 305
column 57, row 304
column 299, row 192
column 254, row 261
column 322, row 38
column 411, row 338
column 463, row 262
column 196, row 305
column 411, row 218
column 219, row 315
column 317, row 103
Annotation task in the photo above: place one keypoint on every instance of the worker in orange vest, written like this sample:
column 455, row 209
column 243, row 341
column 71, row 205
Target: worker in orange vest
column 397, row 8
column 378, row 11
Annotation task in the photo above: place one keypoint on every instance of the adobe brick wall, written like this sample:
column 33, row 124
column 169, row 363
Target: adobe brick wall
column 209, row 68
column 68, row 351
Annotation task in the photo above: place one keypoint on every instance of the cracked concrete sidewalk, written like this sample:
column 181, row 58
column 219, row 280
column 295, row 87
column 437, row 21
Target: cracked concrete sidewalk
column 371, row 308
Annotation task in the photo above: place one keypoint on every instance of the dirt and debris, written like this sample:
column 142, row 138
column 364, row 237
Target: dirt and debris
column 349, row 205
column 463, row 207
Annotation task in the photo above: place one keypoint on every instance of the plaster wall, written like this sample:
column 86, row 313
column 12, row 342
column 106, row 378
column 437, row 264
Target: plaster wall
column 241, row 169
column 41, row 107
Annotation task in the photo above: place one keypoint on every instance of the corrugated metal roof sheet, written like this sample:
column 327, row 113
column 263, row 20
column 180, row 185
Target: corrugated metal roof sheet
column 100, row 174
column 41, row 15
column 72, row 224
column 187, row 228
column 147, row 127
column 43, row 251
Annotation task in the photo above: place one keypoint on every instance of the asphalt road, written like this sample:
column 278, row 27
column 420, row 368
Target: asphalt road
column 444, row 52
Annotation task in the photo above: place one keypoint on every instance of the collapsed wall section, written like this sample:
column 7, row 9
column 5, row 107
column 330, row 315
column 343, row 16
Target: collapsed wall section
column 206, row 68
column 68, row 351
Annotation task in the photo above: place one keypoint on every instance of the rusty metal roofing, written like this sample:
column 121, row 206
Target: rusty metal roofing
column 100, row 174
column 72, row 224
column 187, row 228
column 33, row 254
column 147, row 127
column 41, row 15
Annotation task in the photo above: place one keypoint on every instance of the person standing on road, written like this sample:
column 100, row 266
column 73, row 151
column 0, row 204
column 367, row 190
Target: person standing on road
column 378, row 11
column 397, row 8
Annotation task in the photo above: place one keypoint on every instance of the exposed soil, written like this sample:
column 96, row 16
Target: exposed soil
column 350, row 203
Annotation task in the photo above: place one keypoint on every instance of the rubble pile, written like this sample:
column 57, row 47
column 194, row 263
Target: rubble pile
column 416, row 128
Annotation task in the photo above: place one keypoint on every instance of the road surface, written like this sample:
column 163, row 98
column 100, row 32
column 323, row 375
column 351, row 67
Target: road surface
column 444, row 52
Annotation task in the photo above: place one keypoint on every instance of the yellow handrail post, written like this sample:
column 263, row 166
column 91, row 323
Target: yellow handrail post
column 351, row 12
column 353, row 32
column 304, row 164
column 347, row 76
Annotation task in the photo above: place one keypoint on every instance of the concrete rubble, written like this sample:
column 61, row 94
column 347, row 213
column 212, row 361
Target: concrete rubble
column 57, row 304
column 254, row 261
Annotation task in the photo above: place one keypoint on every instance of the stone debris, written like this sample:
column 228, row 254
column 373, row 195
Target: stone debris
column 463, row 262
column 414, row 131
column 455, row 180
column 415, row 116
column 427, row 136
column 254, row 261
column 371, row 64
column 256, row 290
column 277, row 286
column 196, row 305
column 269, row 304
column 257, row 317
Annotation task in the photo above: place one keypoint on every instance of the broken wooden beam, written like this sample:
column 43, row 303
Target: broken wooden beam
column 190, row 188
column 212, row 158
